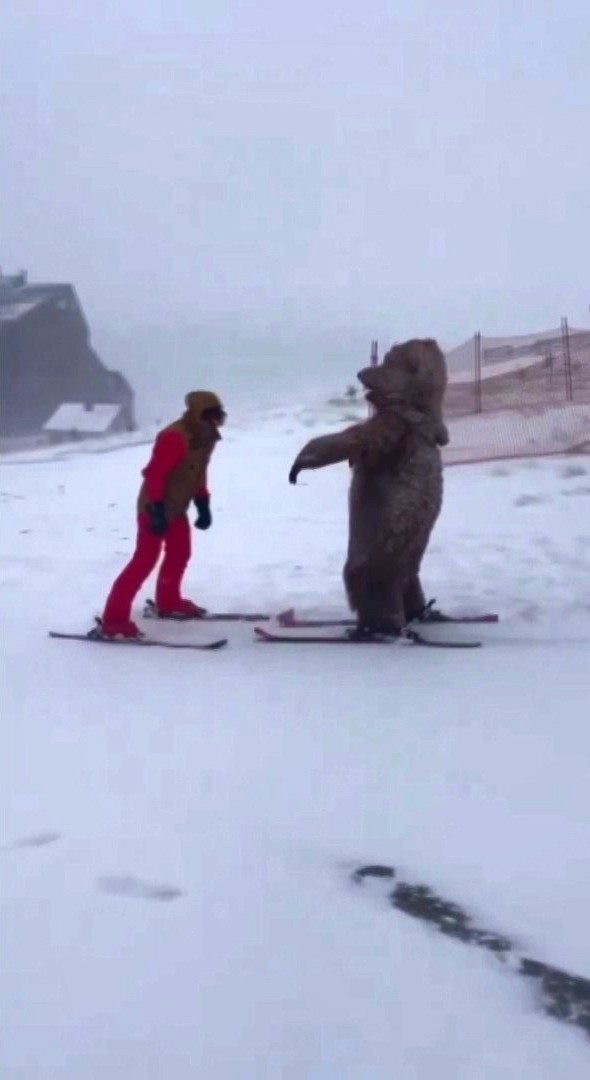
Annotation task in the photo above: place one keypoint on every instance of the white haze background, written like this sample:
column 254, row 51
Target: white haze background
column 244, row 194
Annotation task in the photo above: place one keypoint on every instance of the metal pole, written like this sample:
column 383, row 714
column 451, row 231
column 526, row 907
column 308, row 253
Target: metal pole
column 567, row 359
column 549, row 362
column 374, row 361
column 478, row 396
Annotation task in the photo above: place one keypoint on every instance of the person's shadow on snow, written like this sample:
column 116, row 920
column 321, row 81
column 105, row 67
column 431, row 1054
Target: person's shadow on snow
column 137, row 889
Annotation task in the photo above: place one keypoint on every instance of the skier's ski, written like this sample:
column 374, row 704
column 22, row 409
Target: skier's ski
column 412, row 638
column 290, row 620
column 150, row 611
column 201, row 646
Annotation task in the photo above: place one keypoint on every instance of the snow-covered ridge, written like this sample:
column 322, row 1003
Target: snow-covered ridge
column 479, row 437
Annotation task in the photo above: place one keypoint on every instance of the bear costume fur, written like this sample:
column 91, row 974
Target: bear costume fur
column 396, row 490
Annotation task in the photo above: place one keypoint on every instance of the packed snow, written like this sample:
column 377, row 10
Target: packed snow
column 179, row 829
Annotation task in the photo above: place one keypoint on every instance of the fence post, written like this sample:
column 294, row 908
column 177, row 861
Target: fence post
column 374, row 363
column 567, row 359
column 477, row 356
column 549, row 363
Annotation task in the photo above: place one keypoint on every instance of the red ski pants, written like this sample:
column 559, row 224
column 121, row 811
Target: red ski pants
column 177, row 552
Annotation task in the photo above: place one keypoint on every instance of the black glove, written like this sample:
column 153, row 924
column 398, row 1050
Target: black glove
column 294, row 474
column 204, row 518
column 158, row 518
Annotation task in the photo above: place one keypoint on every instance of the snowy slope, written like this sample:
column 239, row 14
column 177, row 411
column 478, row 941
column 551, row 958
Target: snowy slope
column 249, row 782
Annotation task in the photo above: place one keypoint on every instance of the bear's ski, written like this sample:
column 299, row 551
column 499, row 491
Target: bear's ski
column 412, row 637
column 290, row 620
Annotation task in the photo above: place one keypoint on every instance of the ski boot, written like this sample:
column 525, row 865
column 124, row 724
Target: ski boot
column 381, row 632
column 116, row 629
column 183, row 611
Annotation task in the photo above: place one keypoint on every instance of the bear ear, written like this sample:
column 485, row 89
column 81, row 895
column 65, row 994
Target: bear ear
column 406, row 356
column 435, row 355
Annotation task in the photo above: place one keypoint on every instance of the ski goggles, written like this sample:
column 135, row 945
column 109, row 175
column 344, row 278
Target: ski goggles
column 216, row 414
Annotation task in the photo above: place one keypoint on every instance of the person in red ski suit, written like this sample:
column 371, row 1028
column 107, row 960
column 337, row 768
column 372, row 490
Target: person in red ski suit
column 175, row 476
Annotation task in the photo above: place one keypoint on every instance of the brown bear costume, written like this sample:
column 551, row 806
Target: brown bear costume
column 396, row 490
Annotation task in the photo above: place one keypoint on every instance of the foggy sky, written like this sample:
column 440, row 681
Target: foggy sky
column 412, row 166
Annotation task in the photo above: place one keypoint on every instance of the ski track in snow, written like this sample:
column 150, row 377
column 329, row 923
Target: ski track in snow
column 244, row 785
